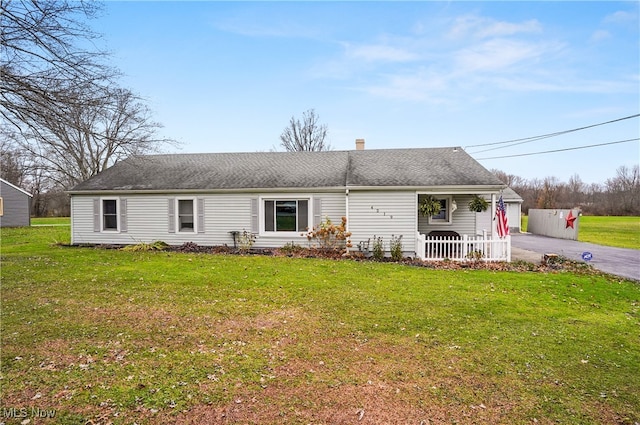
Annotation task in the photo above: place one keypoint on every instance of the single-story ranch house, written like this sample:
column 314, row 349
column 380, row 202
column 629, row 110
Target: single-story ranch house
column 204, row 198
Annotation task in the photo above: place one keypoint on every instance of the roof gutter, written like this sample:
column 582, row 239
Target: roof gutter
column 203, row 191
column 445, row 190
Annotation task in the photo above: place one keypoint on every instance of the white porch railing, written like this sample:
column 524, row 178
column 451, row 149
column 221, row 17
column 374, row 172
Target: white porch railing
column 463, row 249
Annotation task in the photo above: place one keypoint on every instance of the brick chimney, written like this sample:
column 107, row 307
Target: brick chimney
column 359, row 144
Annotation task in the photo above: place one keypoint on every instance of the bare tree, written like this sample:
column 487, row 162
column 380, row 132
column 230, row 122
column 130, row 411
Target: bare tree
column 619, row 195
column 576, row 192
column 548, row 194
column 508, row 179
column 41, row 58
column 308, row 135
column 63, row 116
column 13, row 162
column 624, row 191
column 80, row 139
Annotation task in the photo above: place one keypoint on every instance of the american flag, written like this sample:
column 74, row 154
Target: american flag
column 501, row 215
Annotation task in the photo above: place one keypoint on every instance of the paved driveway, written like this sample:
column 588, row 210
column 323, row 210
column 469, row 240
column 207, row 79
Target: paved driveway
column 619, row 261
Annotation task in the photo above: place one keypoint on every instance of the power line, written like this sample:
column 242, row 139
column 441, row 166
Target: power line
column 515, row 142
column 560, row 150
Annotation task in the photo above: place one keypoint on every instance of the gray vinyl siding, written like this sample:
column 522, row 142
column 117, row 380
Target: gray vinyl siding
column 371, row 213
column 16, row 206
column 463, row 221
column 147, row 220
column 224, row 214
column 332, row 206
column 484, row 221
column 82, row 220
column 383, row 214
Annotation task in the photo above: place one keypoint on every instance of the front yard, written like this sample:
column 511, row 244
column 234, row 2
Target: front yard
column 108, row 336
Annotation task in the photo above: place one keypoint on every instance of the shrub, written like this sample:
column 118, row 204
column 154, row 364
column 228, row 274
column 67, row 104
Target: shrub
column 378, row 248
column 291, row 248
column 330, row 236
column 475, row 255
column 246, row 240
column 395, row 246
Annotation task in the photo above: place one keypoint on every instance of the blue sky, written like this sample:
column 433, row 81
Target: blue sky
column 228, row 76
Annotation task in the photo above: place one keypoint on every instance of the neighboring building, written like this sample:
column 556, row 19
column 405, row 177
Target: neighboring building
column 15, row 205
column 513, row 205
column 203, row 198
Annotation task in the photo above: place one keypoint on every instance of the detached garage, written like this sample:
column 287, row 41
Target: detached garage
column 15, row 205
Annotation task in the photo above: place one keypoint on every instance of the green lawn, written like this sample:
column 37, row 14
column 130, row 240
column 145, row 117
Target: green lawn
column 622, row 232
column 50, row 221
column 105, row 336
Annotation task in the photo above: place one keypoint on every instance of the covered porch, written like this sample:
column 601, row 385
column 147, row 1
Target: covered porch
column 456, row 232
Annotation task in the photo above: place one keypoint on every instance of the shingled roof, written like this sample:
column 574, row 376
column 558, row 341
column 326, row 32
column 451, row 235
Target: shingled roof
column 426, row 167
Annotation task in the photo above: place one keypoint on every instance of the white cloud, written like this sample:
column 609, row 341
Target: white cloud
column 383, row 53
column 560, row 84
column 359, row 59
column 499, row 29
column 476, row 58
column 420, row 86
column 497, row 55
column 600, row 35
column 479, row 27
column 620, row 17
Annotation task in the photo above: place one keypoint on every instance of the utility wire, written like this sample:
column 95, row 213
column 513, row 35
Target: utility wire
column 515, row 142
column 561, row 150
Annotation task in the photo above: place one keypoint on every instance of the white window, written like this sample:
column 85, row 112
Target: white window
column 186, row 215
column 109, row 215
column 444, row 216
column 285, row 215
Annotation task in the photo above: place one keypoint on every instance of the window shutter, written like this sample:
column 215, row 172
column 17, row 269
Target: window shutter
column 200, row 215
column 269, row 216
column 254, row 216
column 96, row 214
column 317, row 212
column 123, row 215
column 303, row 215
column 172, row 215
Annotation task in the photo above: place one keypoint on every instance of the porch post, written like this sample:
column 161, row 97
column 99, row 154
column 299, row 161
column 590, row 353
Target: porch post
column 346, row 214
column 494, row 224
column 487, row 254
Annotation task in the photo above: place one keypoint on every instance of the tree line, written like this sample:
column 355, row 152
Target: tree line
column 618, row 195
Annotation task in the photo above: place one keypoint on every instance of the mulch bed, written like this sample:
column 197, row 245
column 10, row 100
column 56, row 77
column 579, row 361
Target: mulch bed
column 557, row 264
